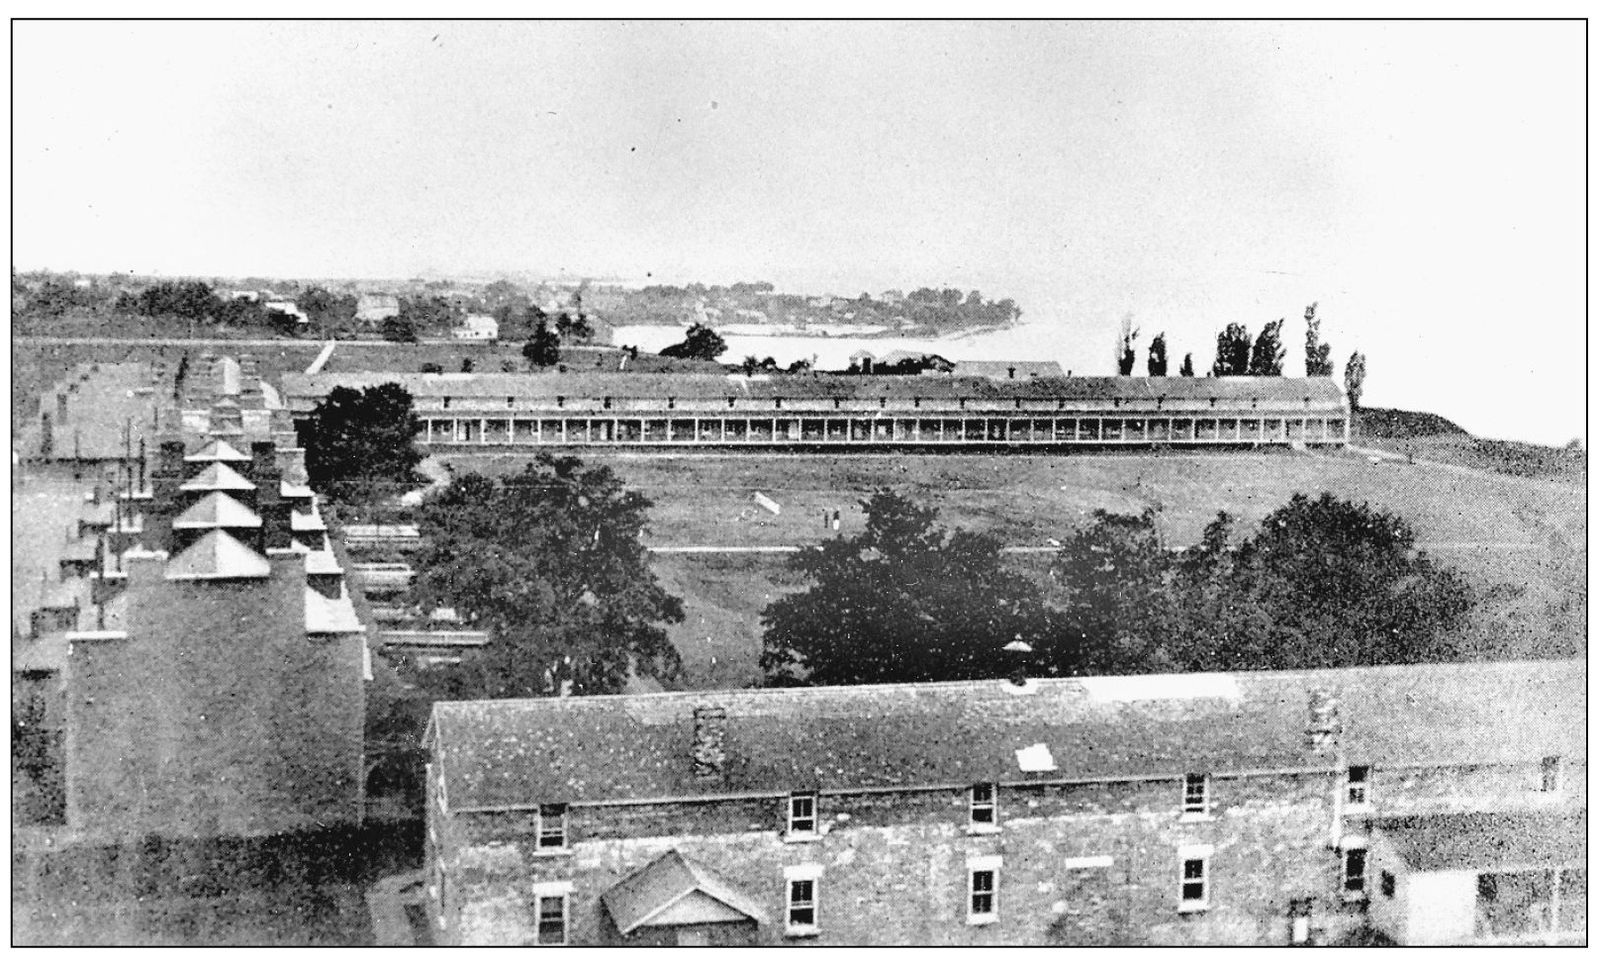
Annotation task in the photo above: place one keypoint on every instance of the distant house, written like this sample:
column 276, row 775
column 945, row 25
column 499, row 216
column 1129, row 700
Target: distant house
column 235, row 294
column 372, row 309
column 478, row 328
column 892, row 297
column 287, row 307
column 1008, row 370
column 83, row 283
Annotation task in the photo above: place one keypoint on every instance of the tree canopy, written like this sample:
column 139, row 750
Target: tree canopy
column 1353, row 379
column 1316, row 354
column 359, row 443
column 1158, row 361
column 1268, row 352
column 903, row 601
column 701, row 342
column 551, row 562
column 1186, row 367
column 1125, row 349
column 1232, row 350
column 543, row 348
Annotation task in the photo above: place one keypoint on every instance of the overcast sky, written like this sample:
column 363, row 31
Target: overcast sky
column 1424, row 182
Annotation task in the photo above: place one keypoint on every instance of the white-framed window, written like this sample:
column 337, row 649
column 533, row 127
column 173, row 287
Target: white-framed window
column 1358, row 787
column 981, row 889
column 803, row 899
column 551, row 913
column 1193, row 882
column 1195, row 795
column 551, row 826
column 1355, row 864
column 801, row 815
column 984, row 806
column 1552, row 774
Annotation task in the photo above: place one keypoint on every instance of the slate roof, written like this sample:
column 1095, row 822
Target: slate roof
column 668, row 879
column 218, row 476
column 1483, row 841
column 217, row 510
column 513, row 753
column 218, row 556
column 301, row 390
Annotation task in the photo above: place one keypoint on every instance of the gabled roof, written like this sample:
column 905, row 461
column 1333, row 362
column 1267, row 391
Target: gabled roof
column 505, row 753
column 646, row 897
column 217, row 556
column 217, row 450
column 218, row 476
column 217, row 510
column 1488, row 841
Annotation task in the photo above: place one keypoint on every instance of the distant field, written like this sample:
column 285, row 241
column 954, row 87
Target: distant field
column 1521, row 541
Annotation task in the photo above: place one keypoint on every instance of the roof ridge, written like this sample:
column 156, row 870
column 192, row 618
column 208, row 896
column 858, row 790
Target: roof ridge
column 826, row 690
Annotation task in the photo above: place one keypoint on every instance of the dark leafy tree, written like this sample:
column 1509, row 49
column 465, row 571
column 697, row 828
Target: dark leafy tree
column 573, row 329
column 1221, row 627
column 1353, row 379
column 1268, row 352
column 1316, row 354
column 543, row 349
column 1343, row 585
column 327, row 310
column 399, row 328
column 903, row 601
column 799, row 365
column 1119, row 613
column 1186, row 367
column 551, row 562
column 185, row 300
column 1232, row 349
column 701, row 342
column 1158, row 362
column 1126, row 353
column 361, row 444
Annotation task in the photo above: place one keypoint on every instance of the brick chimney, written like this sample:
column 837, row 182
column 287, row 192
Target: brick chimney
column 1325, row 721
column 709, row 741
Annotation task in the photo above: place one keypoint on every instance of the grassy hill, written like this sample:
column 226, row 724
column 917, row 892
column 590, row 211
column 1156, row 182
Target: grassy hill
column 1434, row 438
column 1520, row 541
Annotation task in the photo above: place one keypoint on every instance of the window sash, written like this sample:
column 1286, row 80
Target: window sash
column 983, row 892
column 1358, row 786
column 1195, row 794
column 801, row 813
column 801, row 903
column 1194, row 881
column 552, row 826
column 984, row 804
column 551, row 918
column 1552, row 774
column 1355, row 861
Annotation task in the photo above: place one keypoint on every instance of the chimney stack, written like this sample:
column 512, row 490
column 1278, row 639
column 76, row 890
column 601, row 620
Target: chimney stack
column 1325, row 721
column 709, row 741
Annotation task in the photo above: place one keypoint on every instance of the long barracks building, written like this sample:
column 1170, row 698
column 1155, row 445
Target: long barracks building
column 502, row 411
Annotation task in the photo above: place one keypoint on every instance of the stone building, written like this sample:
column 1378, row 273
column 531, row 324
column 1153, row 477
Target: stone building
column 512, row 412
column 1266, row 807
column 204, row 659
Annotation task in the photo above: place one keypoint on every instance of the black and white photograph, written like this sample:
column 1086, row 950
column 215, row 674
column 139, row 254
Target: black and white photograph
column 798, row 482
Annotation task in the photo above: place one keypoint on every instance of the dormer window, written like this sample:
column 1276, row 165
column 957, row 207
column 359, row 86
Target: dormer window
column 607, row 401
column 670, row 403
column 1195, row 795
column 778, row 402
column 731, row 402
column 510, row 401
column 984, row 806
column 560, row 401
column 801, row 815
column 446, row 401
column 837, row 403
column 883, row 401
column 552, row 826
column 917, row 403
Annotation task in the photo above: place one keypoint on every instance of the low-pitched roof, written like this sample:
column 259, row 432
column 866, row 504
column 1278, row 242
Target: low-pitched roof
column 644, row 896
column 511, row 753
column 1485, row 841
column 580, row 384
column 217, row 510
column 218, row 476
column 217, row 556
